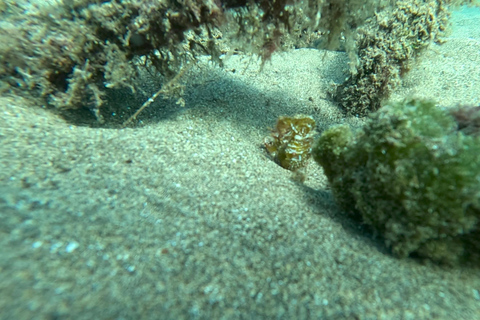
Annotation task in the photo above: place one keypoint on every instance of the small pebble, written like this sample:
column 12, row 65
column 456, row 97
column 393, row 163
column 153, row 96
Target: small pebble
column 72, row 246
column 37, row 244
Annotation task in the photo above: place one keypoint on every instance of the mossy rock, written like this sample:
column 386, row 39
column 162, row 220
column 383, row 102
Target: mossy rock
column 413, row 174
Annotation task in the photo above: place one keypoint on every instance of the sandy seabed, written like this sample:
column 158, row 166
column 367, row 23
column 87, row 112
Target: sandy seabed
column 185, row 216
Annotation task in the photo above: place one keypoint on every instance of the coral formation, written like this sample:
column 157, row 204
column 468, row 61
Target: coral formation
column 290, row 143
column 413, row 174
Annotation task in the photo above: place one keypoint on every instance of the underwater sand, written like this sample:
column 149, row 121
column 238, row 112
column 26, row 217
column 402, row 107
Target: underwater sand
column 185, row 216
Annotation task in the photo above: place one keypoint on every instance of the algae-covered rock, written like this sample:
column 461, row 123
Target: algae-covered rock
column 385, row 48
column 413, row 174
column 71, row 52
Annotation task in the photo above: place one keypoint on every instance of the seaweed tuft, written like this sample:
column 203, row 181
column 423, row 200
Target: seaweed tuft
column 290, row 143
